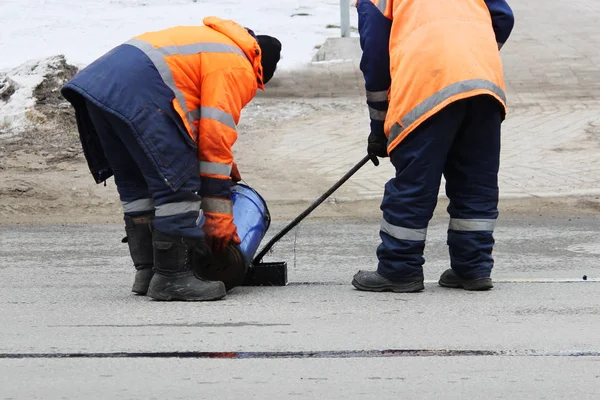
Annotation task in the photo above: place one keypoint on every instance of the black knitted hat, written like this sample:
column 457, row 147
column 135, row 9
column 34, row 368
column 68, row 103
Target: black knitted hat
column 271, row 53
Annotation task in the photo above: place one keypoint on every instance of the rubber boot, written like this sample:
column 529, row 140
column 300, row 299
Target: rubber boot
column 139, row 239
column 451, row 279
column 175, row 277
column 228, row 267
column 371, row 281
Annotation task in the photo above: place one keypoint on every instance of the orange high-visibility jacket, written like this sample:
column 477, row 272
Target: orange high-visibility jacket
column 439, row 52
column 214, row 71
column 186, row 82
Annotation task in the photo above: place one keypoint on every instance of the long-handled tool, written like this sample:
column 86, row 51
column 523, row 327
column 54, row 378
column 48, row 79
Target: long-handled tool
column 252, row 219
column 258, row 259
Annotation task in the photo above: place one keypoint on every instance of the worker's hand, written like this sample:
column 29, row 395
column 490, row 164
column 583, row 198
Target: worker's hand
column 220, row 230
column 377, row 146
column 235, row 173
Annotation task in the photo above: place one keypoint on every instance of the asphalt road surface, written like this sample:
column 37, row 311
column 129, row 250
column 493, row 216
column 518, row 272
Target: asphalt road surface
column 71, row 329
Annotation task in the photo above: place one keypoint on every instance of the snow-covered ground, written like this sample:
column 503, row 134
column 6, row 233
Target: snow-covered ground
column 23, row 80
column 83, row 30
column 34, row 31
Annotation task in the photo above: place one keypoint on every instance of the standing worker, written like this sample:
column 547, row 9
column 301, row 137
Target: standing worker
column 160, row 113
column 436, row 97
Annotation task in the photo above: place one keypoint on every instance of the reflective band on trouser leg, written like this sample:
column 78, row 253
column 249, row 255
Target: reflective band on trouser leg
column 376, row 114
column 157, row 56
column 220, row 206
column 138, row 205
column 432, row 101
column 170, row 209
column 377, row 96
column 470, row 243
column 402, row 233
column 400, row 253
column 472, row 225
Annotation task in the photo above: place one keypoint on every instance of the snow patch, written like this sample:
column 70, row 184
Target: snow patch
column 85, row 30
column 17, row 100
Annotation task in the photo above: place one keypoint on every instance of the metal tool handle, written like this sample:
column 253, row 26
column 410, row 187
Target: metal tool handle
column 310, row 209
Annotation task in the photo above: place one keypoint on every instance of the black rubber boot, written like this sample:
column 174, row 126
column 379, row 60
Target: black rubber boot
column 228, row 267
column 450, row 279
column 175, row 261
column 371, row 281
column 139, row 239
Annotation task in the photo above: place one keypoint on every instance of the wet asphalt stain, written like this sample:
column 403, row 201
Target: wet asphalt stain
column 306, row 354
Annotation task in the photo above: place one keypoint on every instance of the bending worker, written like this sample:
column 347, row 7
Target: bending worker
column 160, row 113
column 436, row 97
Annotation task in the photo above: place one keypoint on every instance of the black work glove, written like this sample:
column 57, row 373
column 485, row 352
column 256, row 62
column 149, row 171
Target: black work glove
column 377, row 146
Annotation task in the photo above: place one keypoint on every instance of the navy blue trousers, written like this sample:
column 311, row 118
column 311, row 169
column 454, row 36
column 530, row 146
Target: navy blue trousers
column 462, row 142
column 141, row 188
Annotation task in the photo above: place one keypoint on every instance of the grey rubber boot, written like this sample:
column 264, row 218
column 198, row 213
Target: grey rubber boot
column 450, row 279
column 139, row 239
column 175, row 260
column 371, row 281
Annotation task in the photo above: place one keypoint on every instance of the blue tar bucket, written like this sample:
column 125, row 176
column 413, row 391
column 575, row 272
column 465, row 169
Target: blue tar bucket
column 251, row 217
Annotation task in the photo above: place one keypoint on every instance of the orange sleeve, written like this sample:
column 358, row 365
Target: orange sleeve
column 224, row 93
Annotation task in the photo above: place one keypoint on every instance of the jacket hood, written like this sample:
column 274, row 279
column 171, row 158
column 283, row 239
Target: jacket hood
column 243, row 39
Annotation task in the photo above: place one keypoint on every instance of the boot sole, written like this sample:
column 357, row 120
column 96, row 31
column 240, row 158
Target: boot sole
column 139, row 291
column 168, row 294
column 157, row 295
column 396, row 288
column 480, row 284
column 169, row 297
